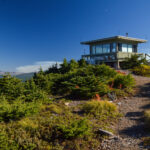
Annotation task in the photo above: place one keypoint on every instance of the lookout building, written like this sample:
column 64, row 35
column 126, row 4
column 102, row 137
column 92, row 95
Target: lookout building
column 112, row 51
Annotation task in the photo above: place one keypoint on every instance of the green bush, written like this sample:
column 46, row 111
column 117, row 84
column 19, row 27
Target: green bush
column 75, row 129
column 5, row 142
column 104, row 71
column 134, row 61
column 124, row 81
column 11, row 87
column 85, row 87
column 43, row 81
column 15, row 138
column 53, row 108
column 79, row 80
column 17, row 110
column 85, row 82
column 100, row 109
column 143, row 70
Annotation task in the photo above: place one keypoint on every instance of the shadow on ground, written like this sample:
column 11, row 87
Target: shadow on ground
column 144, row 91
column 138, row 130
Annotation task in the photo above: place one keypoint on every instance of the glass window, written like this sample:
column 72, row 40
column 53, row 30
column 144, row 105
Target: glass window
column 106, row 48
column 134, row 48
column 119, row 47
column 113, row 47
column 130, row 48
column 99, row 49
column 124, row 48
column 93, row 49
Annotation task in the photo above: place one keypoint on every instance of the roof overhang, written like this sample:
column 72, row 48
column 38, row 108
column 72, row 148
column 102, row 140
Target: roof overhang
column 115, row 38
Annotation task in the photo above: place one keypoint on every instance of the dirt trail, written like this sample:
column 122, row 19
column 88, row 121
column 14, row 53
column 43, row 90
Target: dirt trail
column 130, row 128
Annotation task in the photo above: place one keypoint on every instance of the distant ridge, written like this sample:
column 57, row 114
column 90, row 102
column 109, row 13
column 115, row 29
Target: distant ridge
column 22, row 76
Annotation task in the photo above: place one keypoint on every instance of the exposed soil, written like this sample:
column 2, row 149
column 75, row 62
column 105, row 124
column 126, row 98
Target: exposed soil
column 130, row 128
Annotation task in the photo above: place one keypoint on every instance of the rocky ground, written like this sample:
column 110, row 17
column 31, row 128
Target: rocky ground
column 130, row 128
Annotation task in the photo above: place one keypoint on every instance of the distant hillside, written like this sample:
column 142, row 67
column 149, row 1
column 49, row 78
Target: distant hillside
column 23, row 76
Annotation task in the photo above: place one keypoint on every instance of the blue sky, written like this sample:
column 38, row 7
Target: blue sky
column 43, row 31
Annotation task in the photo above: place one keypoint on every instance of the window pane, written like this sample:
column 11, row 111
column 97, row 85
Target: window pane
column 124, row 48
column 99, row 49
column 130, row 48
column 119, row 47
column 114, row 47
column 106, row 48
column 134, row 48
column 93, row 49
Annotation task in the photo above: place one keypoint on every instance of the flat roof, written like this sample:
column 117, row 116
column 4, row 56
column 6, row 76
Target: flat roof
column 118, row 37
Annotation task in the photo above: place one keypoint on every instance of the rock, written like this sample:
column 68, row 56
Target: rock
column 116, row 138
column 104, row 132
column 67, row 104
column 119, row 103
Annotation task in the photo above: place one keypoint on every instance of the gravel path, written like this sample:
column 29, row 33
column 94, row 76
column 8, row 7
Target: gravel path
column 130, row 128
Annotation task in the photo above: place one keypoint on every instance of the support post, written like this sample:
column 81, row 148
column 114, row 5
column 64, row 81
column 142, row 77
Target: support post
column 117, row 65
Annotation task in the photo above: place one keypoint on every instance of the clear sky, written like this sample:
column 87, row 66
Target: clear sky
column 34, row 32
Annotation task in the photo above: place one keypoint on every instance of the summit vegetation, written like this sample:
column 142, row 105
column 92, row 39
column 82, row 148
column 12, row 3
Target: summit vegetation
column 61, row 108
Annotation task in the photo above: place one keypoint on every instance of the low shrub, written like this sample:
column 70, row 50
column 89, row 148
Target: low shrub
column 124, row 81
column 17, row 110
column 77, row 128
column 88, row 87
column 5, row 142
column 28, row 124
column 11, row 87
column 142, row 70
column 33, row 93
column 100, row 109
column 104, row 71
column 50, row 129
column 53, row 108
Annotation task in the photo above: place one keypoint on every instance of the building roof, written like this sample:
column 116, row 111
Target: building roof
column 115, row 38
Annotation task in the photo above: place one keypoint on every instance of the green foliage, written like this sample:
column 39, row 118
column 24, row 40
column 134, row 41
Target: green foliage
column 73, row 65
column 104, row 71
column 79, row 80
column 42, row 82
column 122, row 81
column 17, row 110
column 88, row 87
column 85, row 82
column 5, row 143
column 11, row 87
column 142, row 70
column 53, row 108
column 54, row 127
column 82, row 63
column 30, row 120
column 64, row 66
column 33, row 93
column 75, row 129
column 134, row 61
column 100, row 109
